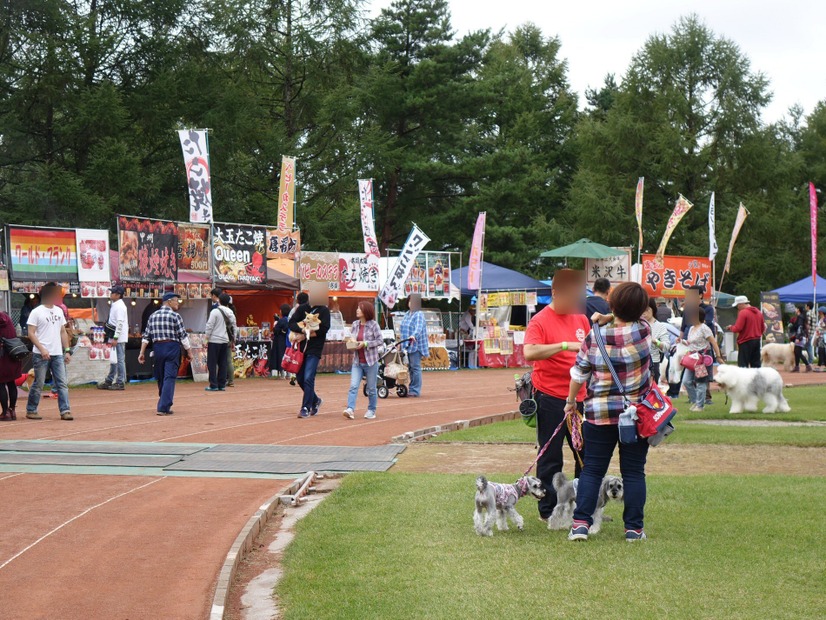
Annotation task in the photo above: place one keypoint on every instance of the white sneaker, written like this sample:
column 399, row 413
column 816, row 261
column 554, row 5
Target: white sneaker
column 349, row 414
column 370, row 415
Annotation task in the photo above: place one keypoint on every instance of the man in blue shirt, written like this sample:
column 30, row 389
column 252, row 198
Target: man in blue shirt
column 414, row 335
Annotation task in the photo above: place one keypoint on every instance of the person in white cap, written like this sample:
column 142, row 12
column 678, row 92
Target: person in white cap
column 749, row 328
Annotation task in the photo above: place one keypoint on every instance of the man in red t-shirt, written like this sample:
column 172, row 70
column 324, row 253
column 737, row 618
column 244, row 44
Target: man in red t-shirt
column 552, row 342
column 749, row 328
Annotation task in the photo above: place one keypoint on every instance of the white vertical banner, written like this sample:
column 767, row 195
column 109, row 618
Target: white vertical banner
column 394, row 286
column 712, row 230
column 196, row 161
column 368, row 224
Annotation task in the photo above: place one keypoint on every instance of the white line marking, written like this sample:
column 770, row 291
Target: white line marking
column 75, row 518
column 11, row 476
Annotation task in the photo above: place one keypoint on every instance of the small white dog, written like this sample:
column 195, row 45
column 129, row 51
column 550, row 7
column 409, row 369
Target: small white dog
column 563, row 515
column 747, row 386
column 496, row 502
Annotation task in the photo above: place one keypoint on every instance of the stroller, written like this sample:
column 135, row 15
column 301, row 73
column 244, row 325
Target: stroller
column 393, row 373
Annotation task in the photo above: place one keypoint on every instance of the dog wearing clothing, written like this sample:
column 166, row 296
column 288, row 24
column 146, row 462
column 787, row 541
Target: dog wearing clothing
column 496, row 502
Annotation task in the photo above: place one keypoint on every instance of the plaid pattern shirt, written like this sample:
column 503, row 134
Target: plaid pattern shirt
column 629, row 347
column 372, row 336
column 414, row 325
column 166, row 324
column 811, row 318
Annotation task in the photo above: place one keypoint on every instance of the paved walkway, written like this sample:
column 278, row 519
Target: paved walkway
column 148, row 544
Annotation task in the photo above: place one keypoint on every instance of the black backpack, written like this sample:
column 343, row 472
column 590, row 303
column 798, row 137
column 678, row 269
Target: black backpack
column 15, row 348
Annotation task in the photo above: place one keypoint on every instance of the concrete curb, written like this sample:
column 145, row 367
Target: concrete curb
column 243, row 545
column 432, row 431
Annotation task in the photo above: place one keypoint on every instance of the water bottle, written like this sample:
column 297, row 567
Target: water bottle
column 628, row 425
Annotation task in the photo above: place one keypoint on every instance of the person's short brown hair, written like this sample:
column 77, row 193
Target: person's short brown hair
column 368, row 310
column 652, row 303
column 628, row 301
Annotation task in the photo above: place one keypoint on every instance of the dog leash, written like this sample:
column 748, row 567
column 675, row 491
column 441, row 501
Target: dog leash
column 576, row 440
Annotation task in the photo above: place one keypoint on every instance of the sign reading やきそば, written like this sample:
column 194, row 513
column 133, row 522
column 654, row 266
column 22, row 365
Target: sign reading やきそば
column 672, row 275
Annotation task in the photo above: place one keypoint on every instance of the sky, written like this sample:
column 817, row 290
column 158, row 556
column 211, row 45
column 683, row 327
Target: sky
column 784, row 40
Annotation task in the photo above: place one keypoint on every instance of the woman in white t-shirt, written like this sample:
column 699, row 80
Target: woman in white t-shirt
column 700, row 339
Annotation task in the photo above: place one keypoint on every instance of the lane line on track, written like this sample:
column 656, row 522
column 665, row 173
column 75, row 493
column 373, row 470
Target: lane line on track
column 11, row 476
column 75, row 518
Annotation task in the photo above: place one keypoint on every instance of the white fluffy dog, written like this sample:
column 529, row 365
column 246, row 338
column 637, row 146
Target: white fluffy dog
column 746, row 386
column 775, row 354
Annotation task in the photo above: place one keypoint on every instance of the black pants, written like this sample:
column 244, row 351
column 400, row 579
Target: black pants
column 800, row 357
column 217, row 364
column 655, row 370
column 8, row 396
column 550, row 413
column 748, row 354
column 821, row 355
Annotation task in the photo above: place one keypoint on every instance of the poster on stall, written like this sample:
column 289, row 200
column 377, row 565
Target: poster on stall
column 198, row 342
column 358, row 272
column 148, row 249
column 93, row 262
column 250, row 359
column 438, row 274
column 283, row 244
column 672, row 275
column 771, row 306
column 42, row 254
column 320, row 267
column 617, row 269
column 193, row 250
column 417, row 280
column 239, row 254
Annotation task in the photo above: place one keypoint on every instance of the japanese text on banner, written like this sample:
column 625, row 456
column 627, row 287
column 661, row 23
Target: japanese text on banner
column 199, row 186
column 401, row 269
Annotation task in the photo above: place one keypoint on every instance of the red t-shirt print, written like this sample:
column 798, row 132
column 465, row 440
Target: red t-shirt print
column 553, row 375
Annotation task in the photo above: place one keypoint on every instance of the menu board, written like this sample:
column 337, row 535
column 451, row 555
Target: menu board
column 771, row 306
column 193, row 249
column 438, row 274
column 239, row 254
column 42, row 254
column 148, row 249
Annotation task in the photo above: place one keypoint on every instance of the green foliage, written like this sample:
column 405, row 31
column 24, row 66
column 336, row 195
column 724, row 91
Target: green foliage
column 447, row 126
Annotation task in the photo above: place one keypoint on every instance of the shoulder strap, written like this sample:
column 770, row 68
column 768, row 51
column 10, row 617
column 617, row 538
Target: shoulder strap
column 597, row 332
column 228, row 323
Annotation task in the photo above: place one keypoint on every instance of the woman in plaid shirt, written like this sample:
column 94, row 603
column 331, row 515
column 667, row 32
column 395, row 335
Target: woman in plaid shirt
column 367, row 335
column 628, row 341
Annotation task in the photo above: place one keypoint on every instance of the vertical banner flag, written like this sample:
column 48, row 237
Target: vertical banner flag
column 813, row 215
column 742, row 214
column 415, row 243
column 638, row 207
column 712, row 230
column 196, row 160
column 286, row 194
column 368, row 226
column 680, row 209
column 474, row 270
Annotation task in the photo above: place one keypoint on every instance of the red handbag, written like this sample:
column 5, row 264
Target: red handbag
column 293, row 360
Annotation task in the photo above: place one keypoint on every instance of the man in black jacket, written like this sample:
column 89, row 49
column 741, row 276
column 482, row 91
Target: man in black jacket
column 315, row 303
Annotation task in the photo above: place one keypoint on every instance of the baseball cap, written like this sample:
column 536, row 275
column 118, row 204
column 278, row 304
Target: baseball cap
column 118, row 289
column 170, row 296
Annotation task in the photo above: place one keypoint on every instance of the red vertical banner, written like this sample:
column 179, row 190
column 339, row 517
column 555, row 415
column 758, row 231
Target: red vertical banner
column 813, row 214
column 474, row 271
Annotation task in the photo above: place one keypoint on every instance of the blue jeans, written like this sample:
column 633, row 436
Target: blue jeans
column 118, row 369
column 57, row 365
column 695, row 387
column 167, row 363
column 358, row 371
column 599, row 443
column 306, row 380
column 414, row 361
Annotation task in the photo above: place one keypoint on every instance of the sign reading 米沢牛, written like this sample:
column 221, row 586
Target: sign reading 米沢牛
column 616, row 269
column 239, row 253
column 670, row 276
column 394, row 286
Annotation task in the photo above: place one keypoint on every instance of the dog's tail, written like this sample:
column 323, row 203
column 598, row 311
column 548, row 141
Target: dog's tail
column 559, row 481
column 481, row 484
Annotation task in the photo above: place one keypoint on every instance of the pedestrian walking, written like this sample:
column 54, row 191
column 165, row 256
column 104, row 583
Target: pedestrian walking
column 280, row 336
column 118, row 325
column 366, row 334
column 749, row 328
column 166, row 332
column 313, row 347
column 10, row 371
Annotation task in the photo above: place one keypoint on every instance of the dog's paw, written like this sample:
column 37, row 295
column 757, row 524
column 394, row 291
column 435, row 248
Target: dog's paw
column 607, row 518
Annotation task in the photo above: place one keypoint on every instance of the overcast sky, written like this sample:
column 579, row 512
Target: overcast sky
column 784, row 40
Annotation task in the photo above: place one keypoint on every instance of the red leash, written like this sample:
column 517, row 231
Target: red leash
column 576, row 440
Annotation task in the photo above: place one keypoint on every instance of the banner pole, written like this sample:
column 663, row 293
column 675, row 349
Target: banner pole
column 478, row 344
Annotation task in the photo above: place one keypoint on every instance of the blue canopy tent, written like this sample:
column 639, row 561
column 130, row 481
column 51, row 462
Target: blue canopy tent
column 496, row 278
column 802, row 291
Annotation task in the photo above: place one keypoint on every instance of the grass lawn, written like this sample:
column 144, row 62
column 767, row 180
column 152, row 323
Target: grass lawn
column 515, row 431
column 396, row 546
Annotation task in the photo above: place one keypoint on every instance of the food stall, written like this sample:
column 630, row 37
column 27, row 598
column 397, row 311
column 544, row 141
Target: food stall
column 498, row 343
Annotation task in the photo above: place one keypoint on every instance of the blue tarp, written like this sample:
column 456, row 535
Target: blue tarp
column 496, row 278
column 802, row 291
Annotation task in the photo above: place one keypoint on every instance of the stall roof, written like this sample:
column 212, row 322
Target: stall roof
column 802, row 291
column 496, row 278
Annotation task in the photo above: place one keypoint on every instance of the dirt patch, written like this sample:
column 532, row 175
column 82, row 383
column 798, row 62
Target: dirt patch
column 675, row 459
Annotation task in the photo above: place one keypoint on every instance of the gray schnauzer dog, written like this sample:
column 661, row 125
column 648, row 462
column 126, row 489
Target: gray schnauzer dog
column 496, row 502
column 563, row 515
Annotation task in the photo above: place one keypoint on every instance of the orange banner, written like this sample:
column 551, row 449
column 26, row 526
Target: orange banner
column 672, row 275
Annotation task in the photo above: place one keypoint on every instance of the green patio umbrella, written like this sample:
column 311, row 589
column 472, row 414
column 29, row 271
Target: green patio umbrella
column 584, row 248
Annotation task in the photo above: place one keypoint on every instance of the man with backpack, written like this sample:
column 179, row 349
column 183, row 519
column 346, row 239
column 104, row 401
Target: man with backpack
column 220, row 332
